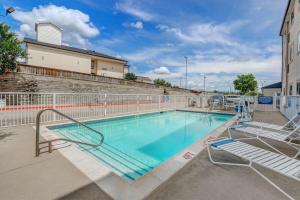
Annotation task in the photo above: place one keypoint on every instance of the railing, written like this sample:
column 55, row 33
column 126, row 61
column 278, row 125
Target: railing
column 289, row 105
column 49, row 142
column 21, row 108
column 44, row 71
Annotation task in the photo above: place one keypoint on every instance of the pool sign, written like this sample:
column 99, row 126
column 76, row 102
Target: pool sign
column 265, row 100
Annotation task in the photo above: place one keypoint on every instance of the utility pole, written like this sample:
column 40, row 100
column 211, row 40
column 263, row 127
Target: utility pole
column 204, row 80
column 186, row 58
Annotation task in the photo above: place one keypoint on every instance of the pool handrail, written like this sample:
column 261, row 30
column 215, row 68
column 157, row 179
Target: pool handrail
column 37, row 139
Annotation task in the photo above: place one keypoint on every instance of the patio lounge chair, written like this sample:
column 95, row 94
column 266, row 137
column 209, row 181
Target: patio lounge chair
column 294, row 122
column 273, row 161
column 286, row 137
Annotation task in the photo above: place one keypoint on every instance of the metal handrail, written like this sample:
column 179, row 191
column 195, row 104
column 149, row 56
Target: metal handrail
column 37, row 142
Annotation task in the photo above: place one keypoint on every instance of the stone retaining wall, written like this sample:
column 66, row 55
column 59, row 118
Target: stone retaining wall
column 19, row 82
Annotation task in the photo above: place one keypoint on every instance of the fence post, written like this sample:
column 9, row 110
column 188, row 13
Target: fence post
column 274, row 102
column 105, row 104
column 138, row 103
column 54, row 105
column 158, row 102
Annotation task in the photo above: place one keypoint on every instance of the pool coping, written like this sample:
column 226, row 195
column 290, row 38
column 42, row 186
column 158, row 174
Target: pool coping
column 115, row 186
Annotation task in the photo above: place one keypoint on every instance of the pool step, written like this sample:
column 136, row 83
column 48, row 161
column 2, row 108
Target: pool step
column 122, row 164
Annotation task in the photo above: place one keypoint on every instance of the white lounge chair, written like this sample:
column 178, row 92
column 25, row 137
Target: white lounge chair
column 291, row 124
column 286, row 137
column 276, row 162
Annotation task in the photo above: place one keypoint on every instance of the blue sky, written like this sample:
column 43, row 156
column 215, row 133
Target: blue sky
column 221, row 38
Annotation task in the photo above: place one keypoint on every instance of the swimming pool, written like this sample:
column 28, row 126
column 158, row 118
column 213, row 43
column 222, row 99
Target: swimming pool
column 135, row 145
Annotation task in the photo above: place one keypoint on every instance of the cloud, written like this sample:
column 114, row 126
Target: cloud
column 205, row 32
column 137, row 24
column 132, row 8
column 76, row 25
column 148, row 54
column 161, row 70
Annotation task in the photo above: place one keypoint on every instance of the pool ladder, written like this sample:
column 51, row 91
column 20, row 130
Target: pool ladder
column 37, row 137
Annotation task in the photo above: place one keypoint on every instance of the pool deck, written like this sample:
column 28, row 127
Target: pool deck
column 52, row 176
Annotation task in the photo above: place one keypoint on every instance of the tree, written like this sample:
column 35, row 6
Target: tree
column 10, row 49
column 162, row 82
column 246, row 84
column 130, row 76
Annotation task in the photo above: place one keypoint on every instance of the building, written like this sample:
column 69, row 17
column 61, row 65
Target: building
column 144, row 79
column 271, row 90
column 290, row 32
column 48, row 51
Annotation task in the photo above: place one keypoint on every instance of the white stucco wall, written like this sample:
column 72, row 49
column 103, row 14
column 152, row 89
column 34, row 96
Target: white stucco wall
column 270, row 91
column 58, row 59
column 48, row 33
column 293, row 76
column 110, row 68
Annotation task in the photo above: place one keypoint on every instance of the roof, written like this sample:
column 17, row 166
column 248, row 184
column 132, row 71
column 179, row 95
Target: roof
column 73, row 49
column 286, row 11
column 43, row 23
column 274, row 85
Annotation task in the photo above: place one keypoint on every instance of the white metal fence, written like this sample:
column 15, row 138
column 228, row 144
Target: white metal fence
column 290, row 105
column 22, row 108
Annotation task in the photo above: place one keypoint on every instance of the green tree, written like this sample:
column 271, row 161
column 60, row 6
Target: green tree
column 162, row 82
column 10, row 49
column 246, row 84
column 130, row 76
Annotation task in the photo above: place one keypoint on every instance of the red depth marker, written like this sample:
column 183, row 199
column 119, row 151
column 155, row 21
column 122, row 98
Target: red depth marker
column 188, row 155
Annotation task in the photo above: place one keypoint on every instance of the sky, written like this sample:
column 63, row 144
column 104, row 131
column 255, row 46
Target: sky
column 220, row 38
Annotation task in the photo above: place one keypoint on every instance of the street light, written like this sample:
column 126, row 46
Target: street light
column 8, row 11
column 262, row 85
column 204, row 80
column 185, row 71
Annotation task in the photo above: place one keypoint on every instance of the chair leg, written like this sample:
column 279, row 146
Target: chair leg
column 251, row 167
column 272, row 183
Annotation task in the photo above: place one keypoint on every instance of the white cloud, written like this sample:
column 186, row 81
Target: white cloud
column 206, row 32
column 131, row 7
column 137, row 24
column 76, row 25
column 161, row 70
column 148, row 54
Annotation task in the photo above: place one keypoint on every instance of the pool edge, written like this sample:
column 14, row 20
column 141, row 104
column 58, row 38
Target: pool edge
column 118, row 188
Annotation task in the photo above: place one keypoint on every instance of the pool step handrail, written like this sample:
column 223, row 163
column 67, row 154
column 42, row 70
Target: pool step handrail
column 37, row 137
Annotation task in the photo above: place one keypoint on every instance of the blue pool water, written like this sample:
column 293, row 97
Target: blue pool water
column 135, row 145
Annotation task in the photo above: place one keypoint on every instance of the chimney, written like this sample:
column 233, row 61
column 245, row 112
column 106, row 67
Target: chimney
column 48, row 32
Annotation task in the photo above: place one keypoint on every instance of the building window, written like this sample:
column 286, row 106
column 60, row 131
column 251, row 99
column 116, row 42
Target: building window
column 291, row 53
column 299, row 41
column 298, row 88
column 292, row 18
column 291, row 90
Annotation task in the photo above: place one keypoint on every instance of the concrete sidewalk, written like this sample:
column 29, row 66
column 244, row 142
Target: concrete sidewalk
column 51, row 176
column 200, row 179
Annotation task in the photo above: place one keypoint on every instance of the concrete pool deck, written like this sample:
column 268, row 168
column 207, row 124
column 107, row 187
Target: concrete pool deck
column 51, row 176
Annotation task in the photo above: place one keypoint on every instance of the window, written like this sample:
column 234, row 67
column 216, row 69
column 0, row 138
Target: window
column 291, row 90
column 292, row 18
column 299, row 41
column 298, row 88
column 291, row 56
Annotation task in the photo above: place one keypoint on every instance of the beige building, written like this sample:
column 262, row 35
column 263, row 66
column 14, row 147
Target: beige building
column 144, row 79
column 290, row 32
column 48, row 51
column 271, row 90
